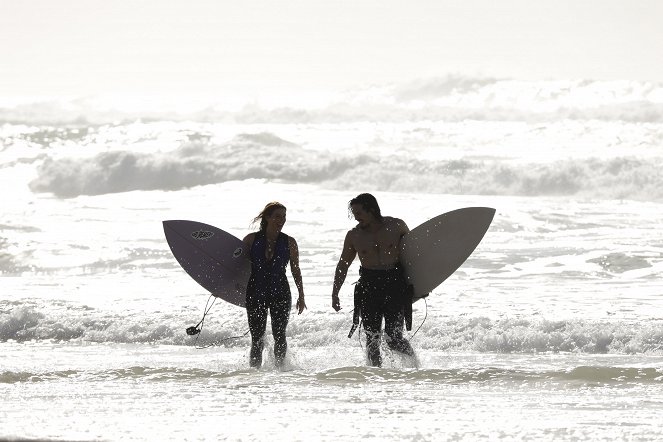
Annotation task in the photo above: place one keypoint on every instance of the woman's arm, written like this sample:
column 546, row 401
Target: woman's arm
column 297, row 274
column 248, row 241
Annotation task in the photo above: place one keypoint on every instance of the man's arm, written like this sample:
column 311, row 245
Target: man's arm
column 347, row 256
column 403, row 228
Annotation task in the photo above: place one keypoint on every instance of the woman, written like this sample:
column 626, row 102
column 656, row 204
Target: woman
column 268, row 288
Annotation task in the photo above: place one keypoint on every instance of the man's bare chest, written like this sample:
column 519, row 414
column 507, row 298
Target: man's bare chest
column 383, row 241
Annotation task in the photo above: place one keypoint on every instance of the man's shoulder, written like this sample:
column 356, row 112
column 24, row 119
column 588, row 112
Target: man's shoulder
column 391, row 221
column 356, row 233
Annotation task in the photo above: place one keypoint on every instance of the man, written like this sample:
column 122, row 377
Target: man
column 382, row 288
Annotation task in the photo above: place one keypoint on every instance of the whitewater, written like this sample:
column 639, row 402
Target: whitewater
column 551, row 330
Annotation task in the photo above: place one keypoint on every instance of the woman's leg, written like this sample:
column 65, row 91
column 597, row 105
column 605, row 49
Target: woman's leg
column 257, row 315
column 280, row 314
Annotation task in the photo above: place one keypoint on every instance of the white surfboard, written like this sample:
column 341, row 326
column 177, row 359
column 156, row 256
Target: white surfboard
column 434, row 250
column 215, row 259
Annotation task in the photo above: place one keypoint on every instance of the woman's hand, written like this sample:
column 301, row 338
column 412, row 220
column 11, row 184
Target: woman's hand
column 301, row 305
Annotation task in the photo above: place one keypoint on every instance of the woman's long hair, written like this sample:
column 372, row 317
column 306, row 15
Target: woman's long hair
column 267, row 212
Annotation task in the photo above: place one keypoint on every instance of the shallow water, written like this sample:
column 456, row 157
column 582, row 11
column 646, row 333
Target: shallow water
column 551, row 330
column 142, row 391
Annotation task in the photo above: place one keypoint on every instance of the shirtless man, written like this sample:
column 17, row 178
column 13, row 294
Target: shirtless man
column 381, row 290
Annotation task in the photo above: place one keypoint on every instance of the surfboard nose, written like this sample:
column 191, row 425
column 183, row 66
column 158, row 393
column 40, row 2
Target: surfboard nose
column 434, row 250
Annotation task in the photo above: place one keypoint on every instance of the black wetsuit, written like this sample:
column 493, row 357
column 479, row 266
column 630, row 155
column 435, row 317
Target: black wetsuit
column 268, row 288
column 382, row 294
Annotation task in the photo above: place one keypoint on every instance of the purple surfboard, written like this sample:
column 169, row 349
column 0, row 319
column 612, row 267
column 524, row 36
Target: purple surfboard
column 433, row 251
column 215, row 259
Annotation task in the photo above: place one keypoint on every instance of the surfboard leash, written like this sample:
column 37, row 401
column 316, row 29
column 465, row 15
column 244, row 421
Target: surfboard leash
column 422, row 322
column 196, row 329
column 221, row 341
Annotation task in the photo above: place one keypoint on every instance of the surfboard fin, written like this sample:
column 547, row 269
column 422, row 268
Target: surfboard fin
column 407, row 310
column 352, row 330
column 355, row 322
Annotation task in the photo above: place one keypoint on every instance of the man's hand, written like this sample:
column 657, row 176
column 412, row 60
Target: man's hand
column 336, row 303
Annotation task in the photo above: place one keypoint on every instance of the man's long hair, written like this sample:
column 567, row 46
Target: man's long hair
column 266, row 213
column 368, row 202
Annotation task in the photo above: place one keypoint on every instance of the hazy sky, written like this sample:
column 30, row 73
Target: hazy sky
column 78, row 47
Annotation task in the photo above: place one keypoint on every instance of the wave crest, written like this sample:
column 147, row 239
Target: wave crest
column 266, row 156
column 478, row 334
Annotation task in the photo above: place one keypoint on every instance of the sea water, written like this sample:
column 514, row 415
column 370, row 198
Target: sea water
column 551, row 330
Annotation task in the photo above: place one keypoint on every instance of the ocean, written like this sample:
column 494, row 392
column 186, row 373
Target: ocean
column 551, row 330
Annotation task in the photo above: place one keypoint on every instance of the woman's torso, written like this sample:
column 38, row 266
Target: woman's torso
column 268, row 273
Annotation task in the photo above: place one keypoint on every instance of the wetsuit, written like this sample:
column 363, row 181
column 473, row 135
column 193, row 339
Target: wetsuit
column 268, row 288
column 382, row 294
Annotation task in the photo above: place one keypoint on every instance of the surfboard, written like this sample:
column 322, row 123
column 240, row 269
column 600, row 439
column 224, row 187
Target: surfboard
column 434, row 250
column 215, row 259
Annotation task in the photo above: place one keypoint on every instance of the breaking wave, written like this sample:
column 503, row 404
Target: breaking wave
column 480, row 334
column 266, row 156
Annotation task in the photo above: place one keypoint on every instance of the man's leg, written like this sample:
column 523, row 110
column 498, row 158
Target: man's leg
column 373, row 347
column 368, row 295
column 372, row 321
column 393, row 325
